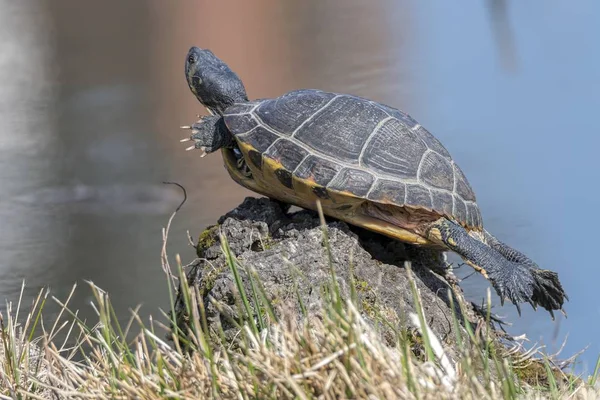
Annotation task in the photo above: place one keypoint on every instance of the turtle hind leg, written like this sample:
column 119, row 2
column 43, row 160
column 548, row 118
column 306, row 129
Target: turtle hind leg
column 514, row 276
column 547, row 279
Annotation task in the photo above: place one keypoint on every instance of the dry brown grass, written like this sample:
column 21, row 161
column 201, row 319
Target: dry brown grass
column 340, row 356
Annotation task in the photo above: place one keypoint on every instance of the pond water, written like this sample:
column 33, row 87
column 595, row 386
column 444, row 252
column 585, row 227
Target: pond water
column 92, row 96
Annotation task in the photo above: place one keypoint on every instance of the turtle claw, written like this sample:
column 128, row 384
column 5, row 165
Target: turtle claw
column 208, row 135
column 521, row 283
column 195, row 128
column 564, row 313
column 196, row 131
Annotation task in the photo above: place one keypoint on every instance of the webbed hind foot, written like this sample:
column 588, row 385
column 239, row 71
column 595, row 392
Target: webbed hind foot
column 545, row 288
column 522, row 283
column 514, row 276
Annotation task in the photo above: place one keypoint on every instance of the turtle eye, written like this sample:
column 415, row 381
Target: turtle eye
column 192, row 58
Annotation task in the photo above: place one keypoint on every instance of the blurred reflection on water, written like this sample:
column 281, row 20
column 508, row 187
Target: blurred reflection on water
column 92, row 95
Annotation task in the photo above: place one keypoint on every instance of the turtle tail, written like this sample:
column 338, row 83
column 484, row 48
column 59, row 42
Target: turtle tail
column 512, row 274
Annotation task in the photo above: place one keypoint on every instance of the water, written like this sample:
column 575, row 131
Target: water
column 92, row 95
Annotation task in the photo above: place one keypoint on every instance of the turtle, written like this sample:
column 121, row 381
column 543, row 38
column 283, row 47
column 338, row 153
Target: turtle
column 366, row 163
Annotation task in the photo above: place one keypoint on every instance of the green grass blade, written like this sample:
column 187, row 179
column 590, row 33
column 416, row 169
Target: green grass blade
column 233, row 266
column 419, row 309
column 594, row 378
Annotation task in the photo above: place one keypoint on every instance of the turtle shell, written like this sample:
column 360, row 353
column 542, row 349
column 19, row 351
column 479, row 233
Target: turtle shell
column 347, row 147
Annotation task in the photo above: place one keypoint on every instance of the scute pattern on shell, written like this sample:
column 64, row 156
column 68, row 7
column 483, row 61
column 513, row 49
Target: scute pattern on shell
column 349, row 144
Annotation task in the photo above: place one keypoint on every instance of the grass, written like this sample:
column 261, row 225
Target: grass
column 273, row 356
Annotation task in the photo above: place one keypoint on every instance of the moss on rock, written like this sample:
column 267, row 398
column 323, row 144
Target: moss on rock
column 208, row 238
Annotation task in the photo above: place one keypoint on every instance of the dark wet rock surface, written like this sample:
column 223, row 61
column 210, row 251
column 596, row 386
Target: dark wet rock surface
column 288, row 255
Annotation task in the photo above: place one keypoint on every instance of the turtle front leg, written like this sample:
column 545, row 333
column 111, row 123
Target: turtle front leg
column 209, row 134
column 514, row 276
column 285, row 207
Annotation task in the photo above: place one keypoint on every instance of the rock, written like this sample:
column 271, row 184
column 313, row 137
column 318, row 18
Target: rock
column 287, row 253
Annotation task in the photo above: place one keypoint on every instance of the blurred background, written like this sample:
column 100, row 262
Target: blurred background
column 92, row 95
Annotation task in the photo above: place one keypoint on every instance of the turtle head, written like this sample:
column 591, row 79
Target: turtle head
column 212, row 82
